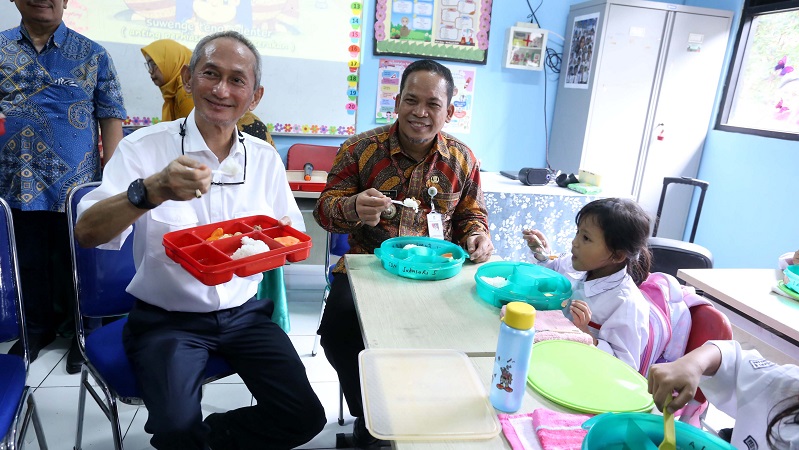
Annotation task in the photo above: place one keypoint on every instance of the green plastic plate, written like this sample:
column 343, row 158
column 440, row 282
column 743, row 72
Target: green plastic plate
column 788, row 290
column 583, row 378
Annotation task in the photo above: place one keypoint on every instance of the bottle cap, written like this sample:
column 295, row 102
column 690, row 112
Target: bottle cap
column 519, row 315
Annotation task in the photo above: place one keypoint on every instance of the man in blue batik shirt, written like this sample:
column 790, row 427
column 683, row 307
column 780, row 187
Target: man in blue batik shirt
column 55, row 86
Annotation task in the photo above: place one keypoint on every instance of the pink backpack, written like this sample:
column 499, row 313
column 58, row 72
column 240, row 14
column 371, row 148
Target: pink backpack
column 669, row 318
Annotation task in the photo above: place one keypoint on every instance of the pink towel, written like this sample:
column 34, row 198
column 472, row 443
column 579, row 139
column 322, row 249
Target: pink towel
column 551, row 325
column 554, row 430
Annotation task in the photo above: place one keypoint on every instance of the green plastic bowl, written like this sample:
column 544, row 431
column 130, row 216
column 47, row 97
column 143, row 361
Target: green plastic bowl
column 421, row 258
column 543, row 288
column 611, row 431
column 792, row 273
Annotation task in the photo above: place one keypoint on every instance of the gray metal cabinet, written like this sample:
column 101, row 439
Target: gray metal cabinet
column 641, row 105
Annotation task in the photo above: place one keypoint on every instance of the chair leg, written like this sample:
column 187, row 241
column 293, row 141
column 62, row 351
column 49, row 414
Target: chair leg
column 84, row 374
column 340, row 405
column 37, row 424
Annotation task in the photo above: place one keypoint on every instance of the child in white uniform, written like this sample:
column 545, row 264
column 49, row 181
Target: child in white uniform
column 608, row 260
column 742, row 384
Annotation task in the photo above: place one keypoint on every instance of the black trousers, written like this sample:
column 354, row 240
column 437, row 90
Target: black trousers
column 342, row 340
column 45, row 268
column 169, row 350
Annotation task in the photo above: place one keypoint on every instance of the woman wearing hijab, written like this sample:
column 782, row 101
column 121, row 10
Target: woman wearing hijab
column 164, row 59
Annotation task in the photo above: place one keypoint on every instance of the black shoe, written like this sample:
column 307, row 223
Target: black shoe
column 726, row 434
column 219, row 437
column 74, row 358
column 36, row 342
column 361, row 438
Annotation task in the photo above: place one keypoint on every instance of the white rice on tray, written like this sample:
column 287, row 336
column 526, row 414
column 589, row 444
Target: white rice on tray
column 249, row 247
column 497, row 282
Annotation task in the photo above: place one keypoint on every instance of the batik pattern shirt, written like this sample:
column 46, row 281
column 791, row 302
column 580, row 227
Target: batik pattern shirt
column 52, row 100
column 374, row 160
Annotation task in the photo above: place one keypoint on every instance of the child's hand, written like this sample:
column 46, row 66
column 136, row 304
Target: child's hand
column 537, row 242
column 680, row 376
column 502, row 312
column 581, row 314
column 796, row 257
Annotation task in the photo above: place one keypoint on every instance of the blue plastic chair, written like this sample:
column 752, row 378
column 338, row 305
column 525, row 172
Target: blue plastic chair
column 101, row 277
column 14, row 391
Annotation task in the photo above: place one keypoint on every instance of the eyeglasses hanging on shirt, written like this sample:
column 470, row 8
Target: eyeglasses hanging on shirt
column 217, row 183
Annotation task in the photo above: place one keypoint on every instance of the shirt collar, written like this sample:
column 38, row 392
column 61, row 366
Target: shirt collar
column 440, row 145
column 57, row 38
column 600, row 285
column 196, row 144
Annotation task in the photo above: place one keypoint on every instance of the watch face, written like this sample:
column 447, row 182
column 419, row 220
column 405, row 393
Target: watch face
column 137, row 194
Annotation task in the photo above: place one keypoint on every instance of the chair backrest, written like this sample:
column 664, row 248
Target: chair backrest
column 321, row 156
column 10, row 294
column 671, row 255
column 707, row 324
column 100, row 276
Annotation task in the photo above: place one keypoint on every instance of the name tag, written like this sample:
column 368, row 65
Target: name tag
column 435, row 227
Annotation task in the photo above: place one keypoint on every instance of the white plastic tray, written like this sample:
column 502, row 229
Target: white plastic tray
column 418, row 394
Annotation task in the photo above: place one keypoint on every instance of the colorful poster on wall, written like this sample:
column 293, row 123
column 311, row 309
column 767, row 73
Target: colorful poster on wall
column 389, row 75
column 462, row 99
column 578, row 70
column 442, row 29
column 389, row 72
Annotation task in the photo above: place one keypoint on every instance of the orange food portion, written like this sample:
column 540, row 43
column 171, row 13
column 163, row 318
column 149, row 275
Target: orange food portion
column 287, row 240
column 447, row 255
column 216, row 234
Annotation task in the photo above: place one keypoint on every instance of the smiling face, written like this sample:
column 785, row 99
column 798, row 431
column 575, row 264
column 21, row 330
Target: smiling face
column 423, row 109
column 223, row 83
column 41, row 13
column 590, row 253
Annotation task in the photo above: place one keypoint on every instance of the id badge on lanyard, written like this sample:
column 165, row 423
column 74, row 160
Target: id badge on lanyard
column 435, row 227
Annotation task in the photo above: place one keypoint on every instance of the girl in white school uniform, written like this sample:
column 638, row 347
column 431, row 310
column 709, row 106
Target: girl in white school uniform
column 761, row 395
column 609, row 258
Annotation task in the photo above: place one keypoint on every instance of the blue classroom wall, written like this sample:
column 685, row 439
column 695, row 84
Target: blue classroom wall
column 747, row 220
column 508, row 123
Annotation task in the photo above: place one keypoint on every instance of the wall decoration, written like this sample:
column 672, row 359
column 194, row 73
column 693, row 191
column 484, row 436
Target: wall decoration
column 454, row 30
column 389, row 75
column 582, row 51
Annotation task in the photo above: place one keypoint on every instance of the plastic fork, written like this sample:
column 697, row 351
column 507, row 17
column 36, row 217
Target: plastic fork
column 669, row 435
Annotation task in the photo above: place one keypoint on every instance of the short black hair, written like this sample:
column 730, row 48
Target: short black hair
column 430, row 66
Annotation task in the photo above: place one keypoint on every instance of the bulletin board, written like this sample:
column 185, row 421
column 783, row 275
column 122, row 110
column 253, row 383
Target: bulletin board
column 454, row 30
column 310, row 53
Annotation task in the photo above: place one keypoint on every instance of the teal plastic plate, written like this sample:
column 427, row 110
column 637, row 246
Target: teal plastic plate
column 644, row 431
column 792, row 273
column 421, row 258
column 501, row 282
column 583, row 378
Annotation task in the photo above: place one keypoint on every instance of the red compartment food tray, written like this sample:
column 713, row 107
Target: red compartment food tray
column 211, row 262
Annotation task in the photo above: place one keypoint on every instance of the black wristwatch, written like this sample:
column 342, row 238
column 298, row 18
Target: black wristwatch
column 137, row 195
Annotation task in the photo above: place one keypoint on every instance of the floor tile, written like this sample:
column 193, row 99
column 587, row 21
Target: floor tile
column 328, row 394
column 304, row 317
column 58, row 407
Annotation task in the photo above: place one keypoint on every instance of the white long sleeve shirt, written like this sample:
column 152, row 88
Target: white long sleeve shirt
column 619, row 311
column 750, row 388
column 159, row 280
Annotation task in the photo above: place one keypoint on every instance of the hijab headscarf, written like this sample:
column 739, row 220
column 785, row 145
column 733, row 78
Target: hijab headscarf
column 170, row 56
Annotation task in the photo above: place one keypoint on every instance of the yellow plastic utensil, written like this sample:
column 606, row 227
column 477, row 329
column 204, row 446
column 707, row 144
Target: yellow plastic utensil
column 669, row 435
